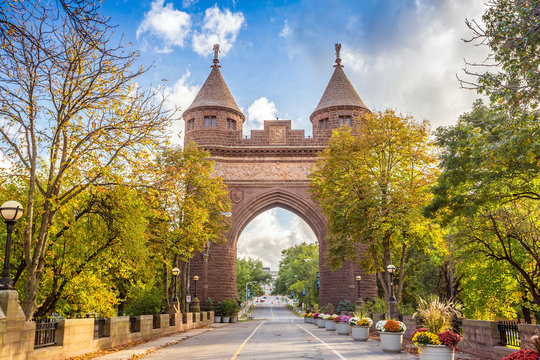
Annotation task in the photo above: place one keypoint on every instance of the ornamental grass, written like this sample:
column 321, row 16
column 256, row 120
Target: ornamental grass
column 436, row 314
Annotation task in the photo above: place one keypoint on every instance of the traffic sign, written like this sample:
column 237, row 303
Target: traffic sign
column 188, row 298
column 248, row 295
column 317, row 279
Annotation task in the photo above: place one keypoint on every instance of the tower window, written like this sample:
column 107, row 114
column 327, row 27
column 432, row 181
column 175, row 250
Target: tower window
column 191, row 124
column 210, row 121
column 324, row 124
column 231, row 124
column 344, row 120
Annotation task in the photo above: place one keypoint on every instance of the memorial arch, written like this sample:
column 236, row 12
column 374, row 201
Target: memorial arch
column 270, row 168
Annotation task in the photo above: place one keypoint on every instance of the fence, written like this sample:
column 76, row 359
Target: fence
column 99, row 328
column 45, row 332
column 508, row 331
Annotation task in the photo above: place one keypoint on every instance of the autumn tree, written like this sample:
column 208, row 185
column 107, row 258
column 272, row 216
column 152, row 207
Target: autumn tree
column 371, row 183
column 191, row 201
column 72, row 118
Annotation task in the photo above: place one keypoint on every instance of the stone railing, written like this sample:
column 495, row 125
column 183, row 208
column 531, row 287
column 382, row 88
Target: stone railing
column 75, row 337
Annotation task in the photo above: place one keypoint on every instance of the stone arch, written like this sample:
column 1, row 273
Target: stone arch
column 289, row 200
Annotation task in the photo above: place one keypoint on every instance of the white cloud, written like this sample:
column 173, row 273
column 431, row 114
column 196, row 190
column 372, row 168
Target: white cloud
column 180, row 96
column 265, row 237
column 188, row 3
column 415, row 72
column 286, row 30
column 166, row 23
column 260, row 110
column 220, row 27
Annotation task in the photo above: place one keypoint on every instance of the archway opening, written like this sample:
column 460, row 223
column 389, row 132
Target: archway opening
column 268, row 239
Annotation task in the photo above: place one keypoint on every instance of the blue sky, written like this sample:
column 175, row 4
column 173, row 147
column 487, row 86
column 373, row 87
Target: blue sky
column 277, row 56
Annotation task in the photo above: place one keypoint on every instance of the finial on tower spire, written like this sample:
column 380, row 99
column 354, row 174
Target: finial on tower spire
column 216, row 52
column 338, row 57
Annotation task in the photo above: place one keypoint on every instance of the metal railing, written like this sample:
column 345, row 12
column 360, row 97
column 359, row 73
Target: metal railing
column 172, row 319
column 155, row 321
column 99, row 328
column 508, row 331
column 45, row 332
column 133, row 324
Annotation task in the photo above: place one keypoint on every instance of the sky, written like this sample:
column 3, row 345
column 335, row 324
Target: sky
column 277, row 57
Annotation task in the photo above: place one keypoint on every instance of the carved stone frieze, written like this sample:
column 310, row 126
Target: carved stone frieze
column 264, row 171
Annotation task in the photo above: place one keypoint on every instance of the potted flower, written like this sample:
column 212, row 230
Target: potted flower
column 360, row 328
column 436, row 341
column 391, row 333
column 436, row 346
column 329, row 323
column 314, row 318
column 343, row 327
column 321, row 320
column 230, row 310
column 307, row 317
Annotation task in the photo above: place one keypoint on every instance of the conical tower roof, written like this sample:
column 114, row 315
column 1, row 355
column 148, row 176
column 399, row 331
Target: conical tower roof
column 214, row 92
column 339, row 91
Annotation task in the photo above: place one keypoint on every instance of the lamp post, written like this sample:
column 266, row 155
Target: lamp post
column 358, row 278
column 392, row 303
column 195, row 278
column 11, row 211
column 249, row 282
column 175, row 273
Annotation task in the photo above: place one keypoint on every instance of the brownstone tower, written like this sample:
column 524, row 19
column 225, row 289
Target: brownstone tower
column 269, row 169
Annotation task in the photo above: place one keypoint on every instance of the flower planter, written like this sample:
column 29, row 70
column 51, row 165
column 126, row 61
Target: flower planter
column 343, row 328
column 306, row 320
column 217, row 319
column 330, row 325
column 360, row 333
column 436, row 352
column 234, row 319
column 391, row 341
column 320, row 323
column 225, row 319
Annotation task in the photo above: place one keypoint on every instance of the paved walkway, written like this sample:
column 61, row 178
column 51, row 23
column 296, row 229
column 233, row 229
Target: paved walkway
column 156, row 344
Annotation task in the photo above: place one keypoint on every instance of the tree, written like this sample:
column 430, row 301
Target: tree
column 251, row 271
column 512, row 32
column 371, row 183
column 189, row 204
column 72, row 118
column 488, row 191
column 298, row 272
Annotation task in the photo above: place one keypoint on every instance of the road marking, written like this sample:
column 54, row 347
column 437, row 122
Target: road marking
column 245, row 341
column 322, row 342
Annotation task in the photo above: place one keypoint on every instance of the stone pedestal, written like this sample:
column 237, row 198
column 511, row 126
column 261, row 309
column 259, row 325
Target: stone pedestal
column 175, row 307
column 16, row 334
column 393, row 311
column 359, row 302
column 195, row 307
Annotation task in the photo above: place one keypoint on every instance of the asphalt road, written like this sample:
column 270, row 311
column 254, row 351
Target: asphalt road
column 276, row 333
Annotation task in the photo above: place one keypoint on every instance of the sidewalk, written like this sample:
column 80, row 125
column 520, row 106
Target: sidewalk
column 158, row 343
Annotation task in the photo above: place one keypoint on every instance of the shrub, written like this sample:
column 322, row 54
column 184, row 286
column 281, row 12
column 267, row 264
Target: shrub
column 328, row 309
column 230, row 307
column 219, row 309
column 345, row 306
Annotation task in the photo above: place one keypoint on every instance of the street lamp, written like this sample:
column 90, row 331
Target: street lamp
column 358, row 278
column 195, row 278
column 391, row 269
column 11, row 211
column 175, row 273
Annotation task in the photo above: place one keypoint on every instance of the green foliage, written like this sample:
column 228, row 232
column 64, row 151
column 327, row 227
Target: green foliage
column 328, row 308
column 230, row 307
column 345, row 306
column 220, row 310
column 146, row 300
column 251, row 270
column 298, row 271
column 369, row 305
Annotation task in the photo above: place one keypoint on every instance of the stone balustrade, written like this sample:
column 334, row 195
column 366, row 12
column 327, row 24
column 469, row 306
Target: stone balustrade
column 75, row 337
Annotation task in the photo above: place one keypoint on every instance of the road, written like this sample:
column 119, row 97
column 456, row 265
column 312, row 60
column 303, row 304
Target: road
column 276, row 333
